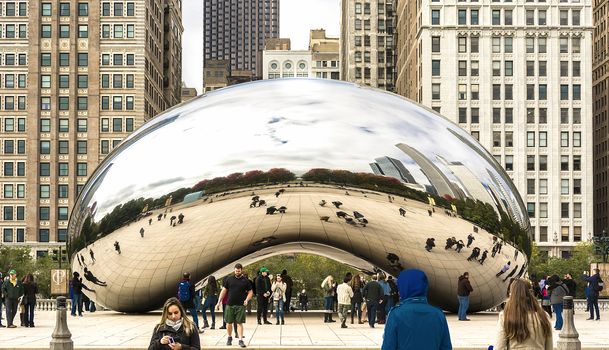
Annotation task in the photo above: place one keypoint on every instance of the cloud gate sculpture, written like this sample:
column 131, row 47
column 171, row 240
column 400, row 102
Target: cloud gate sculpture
column 359, row 175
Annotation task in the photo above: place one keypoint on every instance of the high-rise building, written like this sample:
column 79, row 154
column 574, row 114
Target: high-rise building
column 517, row 76
column 77, row 78
column 367, row 47
column 600, row 96
column 325, row 55
column 235, row 30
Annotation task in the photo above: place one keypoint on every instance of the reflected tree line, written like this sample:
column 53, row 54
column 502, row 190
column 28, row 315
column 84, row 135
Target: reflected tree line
column 482, row 214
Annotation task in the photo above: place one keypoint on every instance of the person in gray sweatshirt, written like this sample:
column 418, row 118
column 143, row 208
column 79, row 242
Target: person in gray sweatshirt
column 557, row 292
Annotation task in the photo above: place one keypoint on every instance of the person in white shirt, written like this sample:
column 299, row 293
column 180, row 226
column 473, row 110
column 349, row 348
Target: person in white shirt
column 278, row 289
column 344, row 294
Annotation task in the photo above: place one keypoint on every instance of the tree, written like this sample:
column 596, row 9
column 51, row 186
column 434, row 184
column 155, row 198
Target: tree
column 19, row 258
column 583, row 254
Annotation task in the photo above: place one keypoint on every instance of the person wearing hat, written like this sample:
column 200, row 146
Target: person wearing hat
column 12, row 290
column 415, row 324
column 263, row 293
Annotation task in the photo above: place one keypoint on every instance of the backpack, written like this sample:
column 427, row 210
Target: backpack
column 184, row 291
column 599, row 286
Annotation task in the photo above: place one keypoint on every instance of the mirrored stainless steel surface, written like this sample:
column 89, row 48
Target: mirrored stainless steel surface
column 298, row 165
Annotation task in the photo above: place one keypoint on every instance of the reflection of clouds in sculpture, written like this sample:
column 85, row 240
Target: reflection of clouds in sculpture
column 297, row 125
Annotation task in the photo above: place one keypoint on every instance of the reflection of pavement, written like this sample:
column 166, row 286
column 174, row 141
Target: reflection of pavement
column 111, row 330
column 215, row 234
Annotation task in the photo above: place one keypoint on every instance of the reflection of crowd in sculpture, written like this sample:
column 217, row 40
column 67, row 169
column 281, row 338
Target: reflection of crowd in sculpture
column 475, row 253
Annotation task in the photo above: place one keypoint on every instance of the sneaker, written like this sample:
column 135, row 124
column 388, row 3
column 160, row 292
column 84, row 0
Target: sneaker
column 589, row 318
column 267, row 322
column 241, row 343
column 11, row 326
column 2, row 326
column 223, row 327
column 259, row 322
column 229, row 341
column 343, row 326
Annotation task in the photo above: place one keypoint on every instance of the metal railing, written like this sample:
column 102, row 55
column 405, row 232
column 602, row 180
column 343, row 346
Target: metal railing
column 314, row 304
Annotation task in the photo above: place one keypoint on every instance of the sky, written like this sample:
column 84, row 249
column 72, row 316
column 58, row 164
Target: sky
column 297, row 17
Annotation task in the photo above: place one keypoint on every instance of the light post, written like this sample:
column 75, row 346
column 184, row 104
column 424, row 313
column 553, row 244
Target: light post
column 555, row 239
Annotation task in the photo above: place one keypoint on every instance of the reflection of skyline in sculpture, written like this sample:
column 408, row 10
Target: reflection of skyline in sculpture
column 392, row 167
column 498, row 184
column 472, row 185
column 437, row 179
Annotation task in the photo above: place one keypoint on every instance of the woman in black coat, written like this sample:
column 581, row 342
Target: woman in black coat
column 30, row 288
column 175, row 331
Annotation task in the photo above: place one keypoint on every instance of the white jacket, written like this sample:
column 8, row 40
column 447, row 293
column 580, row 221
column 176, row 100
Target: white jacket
column 278, row 290
column 344, row 294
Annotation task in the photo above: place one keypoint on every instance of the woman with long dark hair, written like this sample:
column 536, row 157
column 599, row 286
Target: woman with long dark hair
column 30, row 288
column 356, row 300
column 523, row 324
column 175, row 331
column 211, row 299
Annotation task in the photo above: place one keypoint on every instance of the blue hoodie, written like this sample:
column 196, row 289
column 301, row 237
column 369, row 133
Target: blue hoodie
column 415, row 324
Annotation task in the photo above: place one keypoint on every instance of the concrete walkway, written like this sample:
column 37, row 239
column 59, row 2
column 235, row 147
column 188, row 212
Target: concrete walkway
column 111, row 330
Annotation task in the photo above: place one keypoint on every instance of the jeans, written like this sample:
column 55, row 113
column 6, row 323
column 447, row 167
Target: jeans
column 463, row 306
column 328, row 303
column 558, row 311
column 390, row 303
column 593, row 304
column 210, row 303
column 11, row 310
column 77, row 303
column 372, row 306
column 304, row 307
column 29, row 314
column 279, row 312
column 1, row 303
column 195, row 317
column 343, row 311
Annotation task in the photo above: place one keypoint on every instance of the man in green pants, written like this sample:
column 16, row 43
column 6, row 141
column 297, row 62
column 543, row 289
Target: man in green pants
column 240, row 292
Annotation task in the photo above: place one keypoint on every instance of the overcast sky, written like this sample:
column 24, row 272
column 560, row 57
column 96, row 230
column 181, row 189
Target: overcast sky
column 297, row 17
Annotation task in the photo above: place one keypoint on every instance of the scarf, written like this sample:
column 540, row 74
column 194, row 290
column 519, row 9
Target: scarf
column 174, row 324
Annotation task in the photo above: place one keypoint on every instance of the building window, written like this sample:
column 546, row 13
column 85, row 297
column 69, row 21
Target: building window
column 577, row 142
column 564, row 139
column 575, row 17
column 83, row 81
column 7, row 235
column 63, row 169
column 44, row 213
column 496, row 92
column 577, row 211
column 541, row 17
column 509, row 162
column 473, row 18
column 45, row 31
column 543, row 186
column 543, row 210
column 577, row 163
column 45, row 191
column 564, row 17
column 81, row 147
column 64, row 31
column 62, row 191
column 474, row 68
column 83, row 9
column 474, row 43
column 435, row 91
column 564, row 186
column 530, row 45
column 435, row 18
column 64, row 9
column 564, row 210
column 43, row 235
column 62, row 235
column 543, row 92
column 45, row 10
column 62, row 213
column 462, row 115
column 564, row 45
column 496, row 17
column 435, row 68
column 81, row 125
column 564, row 92
column 530, row 163
column 475, row 90
column 462, row 17
column 531, row 209
column 530, row 139
column 435, row 44
column 81, row 169
column 496, row 68
column 543, row 140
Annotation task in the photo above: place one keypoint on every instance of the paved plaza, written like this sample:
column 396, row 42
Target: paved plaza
column 111, row 330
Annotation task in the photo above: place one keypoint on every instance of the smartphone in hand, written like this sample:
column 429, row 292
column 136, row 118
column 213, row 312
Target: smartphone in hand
column 171, row 341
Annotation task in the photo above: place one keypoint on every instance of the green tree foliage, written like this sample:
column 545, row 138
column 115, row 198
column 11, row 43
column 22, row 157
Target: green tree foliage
column 19, row 258
column 583, row 254
column 307, row 271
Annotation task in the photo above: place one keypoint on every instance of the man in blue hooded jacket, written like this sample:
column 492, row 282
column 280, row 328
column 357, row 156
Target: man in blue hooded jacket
column 415, row 324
